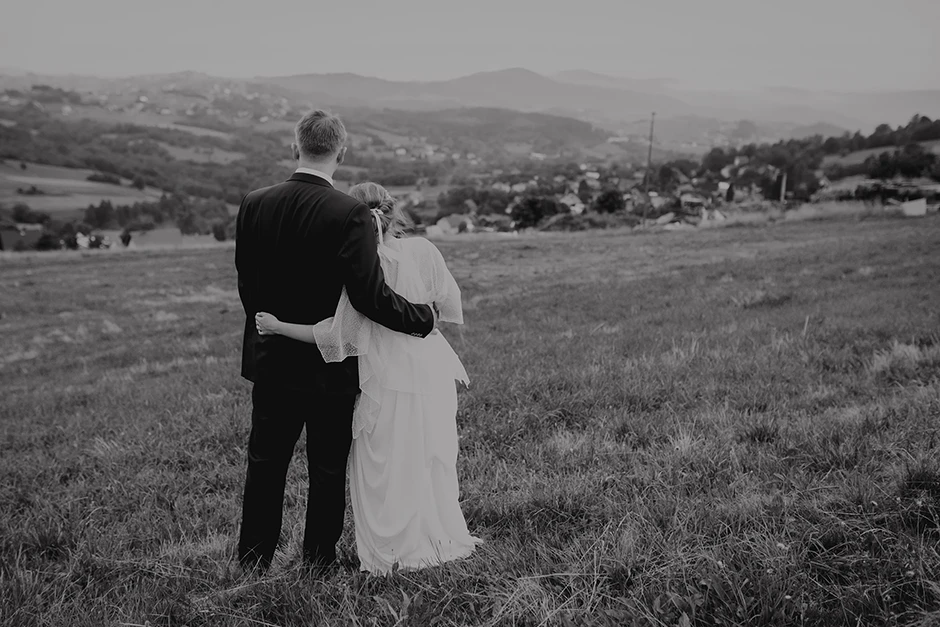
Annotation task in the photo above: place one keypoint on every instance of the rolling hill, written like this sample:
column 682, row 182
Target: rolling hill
column 482, row 130
column 610, row 99
column 514, row 88
column 687, row 120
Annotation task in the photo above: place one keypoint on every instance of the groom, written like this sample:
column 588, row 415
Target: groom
column 298, row 243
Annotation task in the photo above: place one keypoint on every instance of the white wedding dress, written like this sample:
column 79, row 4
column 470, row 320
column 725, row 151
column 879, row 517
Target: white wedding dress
column 402, row 467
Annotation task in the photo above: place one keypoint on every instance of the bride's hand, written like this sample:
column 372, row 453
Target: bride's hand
column 266, row 323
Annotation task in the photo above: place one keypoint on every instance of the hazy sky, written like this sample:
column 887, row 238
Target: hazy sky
column 838, row 44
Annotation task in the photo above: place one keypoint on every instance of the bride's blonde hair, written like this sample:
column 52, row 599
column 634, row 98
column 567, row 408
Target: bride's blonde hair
column 394, row 220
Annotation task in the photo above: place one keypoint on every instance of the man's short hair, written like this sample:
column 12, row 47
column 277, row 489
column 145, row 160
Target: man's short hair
column 319, row 135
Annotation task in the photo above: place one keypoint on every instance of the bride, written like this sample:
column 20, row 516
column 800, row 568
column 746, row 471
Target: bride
column 403, row 466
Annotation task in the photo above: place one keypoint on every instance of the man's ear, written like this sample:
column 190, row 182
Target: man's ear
column 295, row 151
column 341, row 155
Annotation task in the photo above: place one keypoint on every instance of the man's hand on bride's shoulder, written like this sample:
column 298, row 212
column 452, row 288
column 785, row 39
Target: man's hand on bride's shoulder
column 266, row 323
column 437, row 319
column 437, row 316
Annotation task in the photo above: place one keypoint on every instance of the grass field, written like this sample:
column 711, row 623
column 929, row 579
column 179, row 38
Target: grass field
column 67, row 192
column 202, row 155
column 722, row 427
column 175, row 122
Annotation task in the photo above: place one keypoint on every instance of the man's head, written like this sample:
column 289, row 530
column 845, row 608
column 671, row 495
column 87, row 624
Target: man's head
column 319, row 138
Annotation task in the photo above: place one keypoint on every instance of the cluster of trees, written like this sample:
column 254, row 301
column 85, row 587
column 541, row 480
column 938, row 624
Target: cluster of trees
column 527, row 209
column 533, row 210
column 55, row 233
column 920, row 128
column 21, row 213
column 47, row 94
column 910, row 161
column 801, row 158
column 193, row 216
column 111, row 179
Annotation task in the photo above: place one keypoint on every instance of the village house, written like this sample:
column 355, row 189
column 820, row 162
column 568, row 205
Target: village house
column 573, row 203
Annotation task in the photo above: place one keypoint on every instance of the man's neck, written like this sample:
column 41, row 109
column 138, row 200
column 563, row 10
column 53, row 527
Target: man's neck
column 326, row 168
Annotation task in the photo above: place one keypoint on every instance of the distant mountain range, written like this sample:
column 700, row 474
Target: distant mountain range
column 611, row 100
column 685, row 118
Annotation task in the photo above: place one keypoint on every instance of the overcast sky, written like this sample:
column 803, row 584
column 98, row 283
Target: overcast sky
column 837, row 44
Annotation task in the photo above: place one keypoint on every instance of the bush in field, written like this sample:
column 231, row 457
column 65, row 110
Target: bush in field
column 49, row 241
column 609, row 201
column 22, row 214
column 532, row 210
column 219, row 231
column 100, row 177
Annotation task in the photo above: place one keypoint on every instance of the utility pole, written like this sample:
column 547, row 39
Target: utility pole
column 783, row 188
column 649, row 165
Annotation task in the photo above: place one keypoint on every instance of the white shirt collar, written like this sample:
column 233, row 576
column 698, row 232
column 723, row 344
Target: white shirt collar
column 311, row 171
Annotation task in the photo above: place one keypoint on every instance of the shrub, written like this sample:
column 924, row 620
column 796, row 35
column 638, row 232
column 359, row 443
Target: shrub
column 219, row 231
column 532, row 210
column 609, row 201
column 48, row 241
column 99, row 177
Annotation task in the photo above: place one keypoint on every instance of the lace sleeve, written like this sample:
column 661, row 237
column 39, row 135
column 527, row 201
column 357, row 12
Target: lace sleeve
column 346, row 334
column 439, row 282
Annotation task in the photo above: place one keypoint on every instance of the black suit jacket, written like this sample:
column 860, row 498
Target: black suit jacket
column 296, row 245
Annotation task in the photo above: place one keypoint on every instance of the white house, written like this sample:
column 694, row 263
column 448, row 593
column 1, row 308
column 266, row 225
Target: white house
column 573, row 203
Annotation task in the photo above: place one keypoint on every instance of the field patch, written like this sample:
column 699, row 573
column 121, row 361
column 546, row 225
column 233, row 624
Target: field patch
column 859, row 156
column 143, row 118
column 202, row 155
column 64, row 189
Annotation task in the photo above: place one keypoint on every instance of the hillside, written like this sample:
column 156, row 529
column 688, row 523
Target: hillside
column 484, row 130
column 608, row 99
column 203, row 105
column 515, row 88
column 580, row 93
column 689, row 121
column 858, row 157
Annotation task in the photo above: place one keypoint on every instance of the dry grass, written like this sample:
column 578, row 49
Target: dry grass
column 653, row 435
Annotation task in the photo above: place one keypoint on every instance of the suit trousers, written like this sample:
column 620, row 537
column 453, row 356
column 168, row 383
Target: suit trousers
column 277, row 417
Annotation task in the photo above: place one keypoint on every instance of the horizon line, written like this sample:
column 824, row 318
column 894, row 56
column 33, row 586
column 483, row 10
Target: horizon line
column 669, row 82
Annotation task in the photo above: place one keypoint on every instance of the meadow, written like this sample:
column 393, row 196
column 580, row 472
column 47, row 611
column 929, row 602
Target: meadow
column 733, row 426
column 66, row 191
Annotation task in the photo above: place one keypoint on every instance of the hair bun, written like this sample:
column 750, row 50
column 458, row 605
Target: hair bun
column 385, row 205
